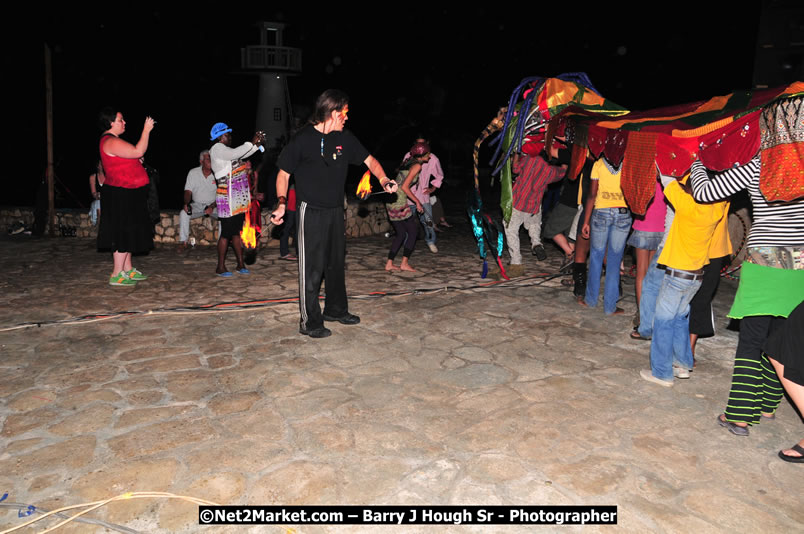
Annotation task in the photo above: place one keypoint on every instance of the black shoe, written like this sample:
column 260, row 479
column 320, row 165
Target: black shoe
column 316, row 332
column 539, row 252
column 348, row 318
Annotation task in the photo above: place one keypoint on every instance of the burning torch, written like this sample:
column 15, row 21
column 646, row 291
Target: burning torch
column 364, row 187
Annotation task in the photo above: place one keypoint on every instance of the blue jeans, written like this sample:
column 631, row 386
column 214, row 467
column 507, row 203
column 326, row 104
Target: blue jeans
column 671, row 326
column 429, row 232
column 651, row 285
column 609, row 230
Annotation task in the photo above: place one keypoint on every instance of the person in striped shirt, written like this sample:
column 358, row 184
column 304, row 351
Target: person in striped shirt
column 534, row 175
column 771, row 286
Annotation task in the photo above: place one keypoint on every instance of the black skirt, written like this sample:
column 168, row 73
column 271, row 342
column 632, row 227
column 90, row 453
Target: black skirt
column 786, row 346
column 124, row 222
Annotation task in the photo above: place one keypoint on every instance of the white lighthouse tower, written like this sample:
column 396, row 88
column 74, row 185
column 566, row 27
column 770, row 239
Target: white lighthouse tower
column 273, row 63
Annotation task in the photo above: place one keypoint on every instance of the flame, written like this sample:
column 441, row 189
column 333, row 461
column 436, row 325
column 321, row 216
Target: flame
column 248, row 234
column 364, row 187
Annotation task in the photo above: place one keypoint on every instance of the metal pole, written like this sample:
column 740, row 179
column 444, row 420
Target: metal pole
column 51, row 204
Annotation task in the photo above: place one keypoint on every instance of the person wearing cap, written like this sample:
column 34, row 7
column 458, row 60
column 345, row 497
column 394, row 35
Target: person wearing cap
column 318, row 156
column 429, row 179
column 401, row 208
column 233, row 191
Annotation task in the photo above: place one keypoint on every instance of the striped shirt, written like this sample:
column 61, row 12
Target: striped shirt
column 535, row 175
column 775, row 224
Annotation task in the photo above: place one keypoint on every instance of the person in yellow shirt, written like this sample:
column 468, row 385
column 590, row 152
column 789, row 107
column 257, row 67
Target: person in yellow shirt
column 701, row 316
column 606, row 226
column 684, row 255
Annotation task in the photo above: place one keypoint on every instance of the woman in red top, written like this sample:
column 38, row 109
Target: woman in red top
column 125, row 227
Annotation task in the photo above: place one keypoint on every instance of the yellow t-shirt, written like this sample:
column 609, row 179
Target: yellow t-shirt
column 609, row 193
column 689, row 241
column 721, row 242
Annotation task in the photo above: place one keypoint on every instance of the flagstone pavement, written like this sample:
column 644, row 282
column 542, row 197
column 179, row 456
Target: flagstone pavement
column 453, row 390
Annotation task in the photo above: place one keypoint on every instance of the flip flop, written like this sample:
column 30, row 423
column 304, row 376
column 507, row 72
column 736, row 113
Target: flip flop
column 793, row 459
column 227, row 274
column 636, row 335
column 735, row 429
column 243, row 271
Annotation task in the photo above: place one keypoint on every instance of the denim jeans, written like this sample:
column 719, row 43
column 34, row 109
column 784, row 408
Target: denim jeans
column 427, row 216
column 651, row 285
column 671, row 326
column 609, row 230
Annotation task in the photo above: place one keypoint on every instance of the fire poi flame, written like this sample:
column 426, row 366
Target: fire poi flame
column 248, row 234
column 364, row 187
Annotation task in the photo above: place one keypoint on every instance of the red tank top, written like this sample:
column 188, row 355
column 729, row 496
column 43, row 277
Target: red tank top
column 122, row 172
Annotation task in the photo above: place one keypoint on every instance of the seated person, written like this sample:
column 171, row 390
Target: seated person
column 199, row 197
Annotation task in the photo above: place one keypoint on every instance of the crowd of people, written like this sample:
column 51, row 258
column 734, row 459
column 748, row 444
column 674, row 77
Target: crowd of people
column 680, row 243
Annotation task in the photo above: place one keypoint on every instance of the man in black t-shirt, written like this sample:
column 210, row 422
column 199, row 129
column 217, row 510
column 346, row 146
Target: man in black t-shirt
column 319, row 156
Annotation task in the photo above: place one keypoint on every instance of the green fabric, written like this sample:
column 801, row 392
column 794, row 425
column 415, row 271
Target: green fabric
column 767, row 291
column 506, row 176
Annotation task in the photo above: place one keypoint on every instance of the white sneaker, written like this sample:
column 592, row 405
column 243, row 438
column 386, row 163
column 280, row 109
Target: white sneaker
column 647, row 375
column 432, row 247
column 680, row 372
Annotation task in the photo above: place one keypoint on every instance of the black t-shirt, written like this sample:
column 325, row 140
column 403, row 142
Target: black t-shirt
column 569, row 194
column 319, row 163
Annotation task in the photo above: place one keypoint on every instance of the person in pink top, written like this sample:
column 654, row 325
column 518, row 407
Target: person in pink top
column 430, row 178
column 645, row 238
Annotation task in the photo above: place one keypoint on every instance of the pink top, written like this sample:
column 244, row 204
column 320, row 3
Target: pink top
column 654, row 217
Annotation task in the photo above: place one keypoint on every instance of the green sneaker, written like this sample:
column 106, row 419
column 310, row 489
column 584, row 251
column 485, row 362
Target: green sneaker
column 136, row 275
column 121, row 279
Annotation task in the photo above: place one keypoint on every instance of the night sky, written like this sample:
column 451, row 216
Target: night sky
column 444, row 71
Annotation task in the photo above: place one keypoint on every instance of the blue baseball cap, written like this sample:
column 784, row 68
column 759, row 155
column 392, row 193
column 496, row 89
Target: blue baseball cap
column 218, row 130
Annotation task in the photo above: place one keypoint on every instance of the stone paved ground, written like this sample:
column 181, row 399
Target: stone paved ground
column 503, row 393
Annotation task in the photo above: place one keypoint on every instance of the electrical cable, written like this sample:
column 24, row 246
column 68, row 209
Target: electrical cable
column 264, row 303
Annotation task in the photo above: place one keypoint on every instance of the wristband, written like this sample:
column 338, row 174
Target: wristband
column 282, row 200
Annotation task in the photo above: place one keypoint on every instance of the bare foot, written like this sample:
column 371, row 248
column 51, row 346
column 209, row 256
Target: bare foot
column 618, row 311
column 391, row 267
column 406, row 267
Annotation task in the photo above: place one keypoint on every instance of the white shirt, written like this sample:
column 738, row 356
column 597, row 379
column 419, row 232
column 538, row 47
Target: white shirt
column 202, row 187
column 221, row 157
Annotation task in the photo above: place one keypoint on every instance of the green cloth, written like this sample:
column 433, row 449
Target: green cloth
column 767, row 291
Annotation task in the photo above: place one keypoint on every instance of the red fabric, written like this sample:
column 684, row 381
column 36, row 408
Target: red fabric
column 122, row 172
column 732, row 145
column 638, row 179
column 577, row 160
column 595, row 139
column 674, row 155
column 291, row 200
column 614, row 147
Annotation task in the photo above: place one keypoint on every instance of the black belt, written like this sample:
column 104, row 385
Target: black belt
column 686, row 275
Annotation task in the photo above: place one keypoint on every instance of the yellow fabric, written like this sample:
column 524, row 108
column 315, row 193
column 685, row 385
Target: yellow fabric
column 609, row 192
column 689, row 242
column 721, row 242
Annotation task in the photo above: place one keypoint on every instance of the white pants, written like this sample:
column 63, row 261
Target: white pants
column 184, row 219
column 533, row 224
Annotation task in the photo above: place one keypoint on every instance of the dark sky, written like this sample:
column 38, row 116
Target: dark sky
column 442, row 70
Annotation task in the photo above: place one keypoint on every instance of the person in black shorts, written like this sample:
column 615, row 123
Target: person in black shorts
column 318, row 156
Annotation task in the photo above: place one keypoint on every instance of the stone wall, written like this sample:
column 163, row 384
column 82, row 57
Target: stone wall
column 362, row 219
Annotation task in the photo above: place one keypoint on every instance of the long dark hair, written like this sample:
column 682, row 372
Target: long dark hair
column 329, row 101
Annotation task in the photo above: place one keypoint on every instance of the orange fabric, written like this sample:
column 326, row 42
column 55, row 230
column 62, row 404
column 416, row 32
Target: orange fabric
column 781, row 125
column 782, row 173
column 639, row 171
